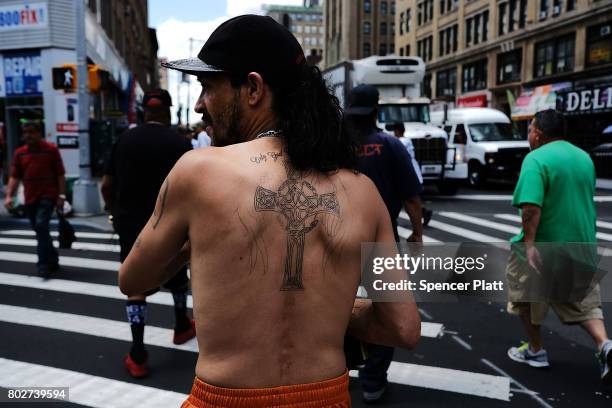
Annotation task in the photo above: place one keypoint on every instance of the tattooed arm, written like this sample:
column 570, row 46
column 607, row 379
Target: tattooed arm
column 161, row 248
column 530, row 215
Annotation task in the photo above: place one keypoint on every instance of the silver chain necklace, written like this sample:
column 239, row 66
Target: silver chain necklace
column 274, row 133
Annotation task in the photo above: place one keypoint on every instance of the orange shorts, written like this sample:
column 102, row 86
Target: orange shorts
column 329, row 394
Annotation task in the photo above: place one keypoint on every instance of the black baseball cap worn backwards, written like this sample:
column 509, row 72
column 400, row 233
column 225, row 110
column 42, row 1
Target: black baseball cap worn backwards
column 363, row 99
column 247, row 43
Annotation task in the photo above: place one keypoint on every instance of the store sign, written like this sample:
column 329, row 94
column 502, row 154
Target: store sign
column 476, row 101
column 589, row 100
column 22, row 74
column 24, row 16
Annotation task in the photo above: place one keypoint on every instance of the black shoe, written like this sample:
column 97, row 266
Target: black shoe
column 44, row 272
column 372, row 397
column 427, row 214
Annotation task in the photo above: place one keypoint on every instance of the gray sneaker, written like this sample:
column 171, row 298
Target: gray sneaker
column 522, row 354
column 605, row 361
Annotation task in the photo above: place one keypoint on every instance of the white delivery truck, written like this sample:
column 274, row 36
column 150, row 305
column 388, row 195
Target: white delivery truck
column 486, row 141
column 398, row 80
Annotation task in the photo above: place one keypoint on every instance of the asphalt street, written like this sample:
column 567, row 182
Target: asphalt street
column 71, row 330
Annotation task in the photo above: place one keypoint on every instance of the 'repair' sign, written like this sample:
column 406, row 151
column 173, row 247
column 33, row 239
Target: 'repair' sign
column 28, row 15
column 588, row 100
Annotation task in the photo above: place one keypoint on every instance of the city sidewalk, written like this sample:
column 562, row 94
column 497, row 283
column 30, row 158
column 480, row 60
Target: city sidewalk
column 96, row 222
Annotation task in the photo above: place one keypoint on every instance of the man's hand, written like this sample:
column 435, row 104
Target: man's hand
column 533, row 257
column 8, row 202
column 60, row 204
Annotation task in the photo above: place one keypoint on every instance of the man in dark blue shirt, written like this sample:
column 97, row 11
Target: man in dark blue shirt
column 385, row 160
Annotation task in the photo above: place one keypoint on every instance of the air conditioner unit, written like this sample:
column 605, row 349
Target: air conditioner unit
column 556, row 10
column 543, row 15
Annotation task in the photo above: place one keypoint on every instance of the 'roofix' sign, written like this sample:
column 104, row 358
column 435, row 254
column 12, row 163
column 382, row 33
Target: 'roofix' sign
column 591, row 100
column 23, row 16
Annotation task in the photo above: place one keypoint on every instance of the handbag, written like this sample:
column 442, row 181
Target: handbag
column 66, row 232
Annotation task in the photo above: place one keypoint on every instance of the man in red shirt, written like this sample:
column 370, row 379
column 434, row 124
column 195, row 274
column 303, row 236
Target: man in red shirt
column 39, row 166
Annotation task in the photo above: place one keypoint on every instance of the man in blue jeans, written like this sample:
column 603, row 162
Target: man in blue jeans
column 39, row 166
column 385, row 160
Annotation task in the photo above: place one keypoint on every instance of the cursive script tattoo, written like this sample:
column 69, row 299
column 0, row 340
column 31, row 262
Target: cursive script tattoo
column 162, row 203
column 299, row 203
column 263, row 157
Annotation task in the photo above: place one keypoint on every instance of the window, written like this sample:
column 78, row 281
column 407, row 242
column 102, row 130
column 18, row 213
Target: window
column 511, row 11
column 556, row 7
column 367, row 27
column 382, row 49
column 485, row 26
column 502, row 19
column 367, row 6
column 468, row 32
column 392, row 27
column 366, row 49
column 430, row 4
column 554, row 56
column 401, row 23
column 383, row 8
column 474, row 76
column 477, row 28
column 446, row 82
column 419, row 14
column 509, row 66
column 427, row 85
column 425, row 12
column 383, row 28
column 408, row 22
column 447, row 38
column 455, row 37
column 401, row 52
column 393, row 7
column 522, row 13
column 543, row 9
column 571, row 5
column 408, row 50
column 425, row 48
column 599, row 44
column 441, row 42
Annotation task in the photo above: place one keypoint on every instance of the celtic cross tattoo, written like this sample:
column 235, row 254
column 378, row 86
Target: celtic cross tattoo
column 299, row 203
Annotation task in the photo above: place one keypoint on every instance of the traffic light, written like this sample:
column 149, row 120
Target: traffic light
column 65, row 77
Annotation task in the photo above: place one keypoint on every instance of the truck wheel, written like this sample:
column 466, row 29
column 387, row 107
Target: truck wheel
column 448, row 187
column 476, row 176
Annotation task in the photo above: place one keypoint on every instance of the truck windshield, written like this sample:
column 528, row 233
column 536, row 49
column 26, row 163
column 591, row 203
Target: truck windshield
column 403, row 113
column 493, row 132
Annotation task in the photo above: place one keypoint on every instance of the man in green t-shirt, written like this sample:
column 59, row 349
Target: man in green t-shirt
column 555, row 196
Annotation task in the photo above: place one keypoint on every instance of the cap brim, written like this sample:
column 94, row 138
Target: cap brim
column 359, row 110
column 192, row 66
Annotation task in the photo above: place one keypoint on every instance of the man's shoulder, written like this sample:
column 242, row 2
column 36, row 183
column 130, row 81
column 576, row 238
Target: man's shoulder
column 49, row 145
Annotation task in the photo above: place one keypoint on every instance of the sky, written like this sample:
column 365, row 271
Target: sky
column 195, row 19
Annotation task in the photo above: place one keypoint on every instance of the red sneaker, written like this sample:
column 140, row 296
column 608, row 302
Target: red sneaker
column 136, row 370
column 185, row 336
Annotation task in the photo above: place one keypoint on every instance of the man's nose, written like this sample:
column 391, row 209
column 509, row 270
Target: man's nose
column 199, row 105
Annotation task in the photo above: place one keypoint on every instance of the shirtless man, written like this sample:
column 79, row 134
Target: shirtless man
column 272, row 222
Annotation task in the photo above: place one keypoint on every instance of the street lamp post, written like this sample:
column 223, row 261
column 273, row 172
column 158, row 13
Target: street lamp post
column 85, row 199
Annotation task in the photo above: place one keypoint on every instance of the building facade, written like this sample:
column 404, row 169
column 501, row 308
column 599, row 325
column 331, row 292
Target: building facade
column 306, row 24
column 38, row 36
column 356, row 29
column 518, row 56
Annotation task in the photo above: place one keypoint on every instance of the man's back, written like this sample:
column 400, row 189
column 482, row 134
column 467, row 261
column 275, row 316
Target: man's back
column 275, row 264
column 560, row 178
column 140, row 161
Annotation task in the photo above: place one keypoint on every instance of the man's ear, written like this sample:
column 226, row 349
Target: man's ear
column 256, row 88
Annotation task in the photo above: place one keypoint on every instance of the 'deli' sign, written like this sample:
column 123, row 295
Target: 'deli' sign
column 587, row 100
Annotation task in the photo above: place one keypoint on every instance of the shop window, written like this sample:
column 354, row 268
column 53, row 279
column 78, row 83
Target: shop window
column 599, row 44
column 446, row 83
column 554, row 56
column 474, row 76
column 509, row 66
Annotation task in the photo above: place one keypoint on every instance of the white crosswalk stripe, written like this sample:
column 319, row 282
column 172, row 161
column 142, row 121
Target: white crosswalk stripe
column 87, row 246
column 90, row 235
column 599, row 235
column 86, row 389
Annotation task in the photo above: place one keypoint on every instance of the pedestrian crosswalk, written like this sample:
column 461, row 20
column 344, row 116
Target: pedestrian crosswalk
column 80, row 312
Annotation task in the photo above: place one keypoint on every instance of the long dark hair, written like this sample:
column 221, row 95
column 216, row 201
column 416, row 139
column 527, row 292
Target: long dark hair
column 311, row 120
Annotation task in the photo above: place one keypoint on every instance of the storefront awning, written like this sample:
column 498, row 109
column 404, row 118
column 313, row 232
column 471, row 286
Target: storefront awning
column 533, row 100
